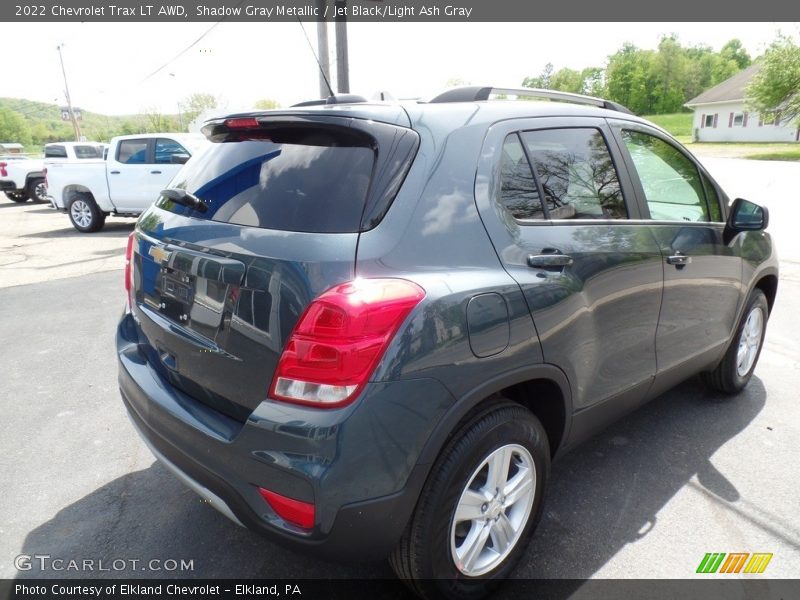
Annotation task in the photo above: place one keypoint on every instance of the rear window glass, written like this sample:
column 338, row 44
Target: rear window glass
column 88, row 152
column 317, row 183
column 55, row 152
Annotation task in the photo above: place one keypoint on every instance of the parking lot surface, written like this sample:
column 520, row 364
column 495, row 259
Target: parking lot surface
column 685, row 475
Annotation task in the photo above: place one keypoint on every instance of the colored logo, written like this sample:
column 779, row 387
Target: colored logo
column 735, row 562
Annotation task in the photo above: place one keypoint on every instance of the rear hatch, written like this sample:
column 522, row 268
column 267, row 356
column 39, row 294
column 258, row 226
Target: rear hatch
column 248, row 234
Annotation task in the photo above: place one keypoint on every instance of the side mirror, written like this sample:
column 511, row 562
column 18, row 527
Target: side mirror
column 745, row 216
column 179, row 159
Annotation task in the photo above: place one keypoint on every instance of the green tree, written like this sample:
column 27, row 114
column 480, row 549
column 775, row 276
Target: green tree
column 197, row 104
column 776, row 86
column 567, row 80
column 267, row 103
column 628, row 78
column 593, row 81
column 733, row 51
column 13, row 128
column 542, row 81
column 667, row 76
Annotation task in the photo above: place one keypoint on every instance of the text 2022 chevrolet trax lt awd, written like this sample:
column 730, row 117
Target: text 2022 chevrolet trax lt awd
column 367, row 329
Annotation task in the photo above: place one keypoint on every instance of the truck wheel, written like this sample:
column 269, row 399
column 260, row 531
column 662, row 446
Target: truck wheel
column 17, row 196
column 36, row 189
column 478, row 508
column 736, row 368
column 85, row 215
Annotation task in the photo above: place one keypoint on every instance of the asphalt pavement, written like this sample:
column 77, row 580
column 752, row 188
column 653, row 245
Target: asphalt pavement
column 685, row 475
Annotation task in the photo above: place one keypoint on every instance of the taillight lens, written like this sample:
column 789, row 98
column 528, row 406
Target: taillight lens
column 3, row 172
column 340, row 339
column 129, row 269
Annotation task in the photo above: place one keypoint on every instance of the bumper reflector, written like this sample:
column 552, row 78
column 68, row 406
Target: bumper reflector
column 290, row 510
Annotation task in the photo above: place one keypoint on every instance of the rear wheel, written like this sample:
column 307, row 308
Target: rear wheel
column 84, row 214
column 478, row 508
column 736, row 368
column 37, row 189
column 17, row 196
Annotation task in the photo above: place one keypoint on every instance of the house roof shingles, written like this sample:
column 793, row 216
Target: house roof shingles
column 729, row 90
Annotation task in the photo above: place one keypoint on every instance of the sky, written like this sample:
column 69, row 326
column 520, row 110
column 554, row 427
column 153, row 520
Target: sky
column 125, row 68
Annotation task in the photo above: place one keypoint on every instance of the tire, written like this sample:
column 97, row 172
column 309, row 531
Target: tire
column 17, row 196
column 84, row 214
column 36, row 189
column 434, row 556
column 736, row 368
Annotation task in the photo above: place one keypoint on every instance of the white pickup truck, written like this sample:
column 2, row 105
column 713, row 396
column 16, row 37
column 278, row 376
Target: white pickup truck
column 22, row 178
column 136, row 169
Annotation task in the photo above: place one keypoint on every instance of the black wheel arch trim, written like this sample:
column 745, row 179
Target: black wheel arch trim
column 464, row 405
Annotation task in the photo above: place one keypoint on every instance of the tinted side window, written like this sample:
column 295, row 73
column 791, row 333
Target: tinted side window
column 166, row 148
column 576, row 173
column 132, row 152
column 55, row 152
column 670, row 180
column 518, row 193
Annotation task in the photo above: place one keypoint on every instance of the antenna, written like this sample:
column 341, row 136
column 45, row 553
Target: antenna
column 311, row 47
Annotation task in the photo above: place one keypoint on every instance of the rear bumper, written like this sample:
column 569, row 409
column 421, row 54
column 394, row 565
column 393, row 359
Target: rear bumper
column 358, row 465
column 7, row 185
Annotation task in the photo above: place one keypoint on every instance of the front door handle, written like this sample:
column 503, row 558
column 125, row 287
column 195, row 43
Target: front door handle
column 113, row 172
column 549, row 261
column 155, row 172
column 679, row 259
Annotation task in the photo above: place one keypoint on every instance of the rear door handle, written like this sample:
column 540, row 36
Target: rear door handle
column 679, row 259
column 155, row 172
column 549, row 261
column 113, row 172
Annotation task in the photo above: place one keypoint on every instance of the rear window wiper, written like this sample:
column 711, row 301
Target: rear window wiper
column 187, row 199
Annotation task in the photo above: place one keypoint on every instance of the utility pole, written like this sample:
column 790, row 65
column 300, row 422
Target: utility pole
column 75, row 125
column 322, row 52
column 342, row 64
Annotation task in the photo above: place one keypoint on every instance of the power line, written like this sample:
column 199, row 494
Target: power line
column 185, row 50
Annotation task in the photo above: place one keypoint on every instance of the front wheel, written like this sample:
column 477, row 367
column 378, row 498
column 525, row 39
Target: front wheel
column 17, row 196
column 478, row 508
column 736, row 368
column 85, row 215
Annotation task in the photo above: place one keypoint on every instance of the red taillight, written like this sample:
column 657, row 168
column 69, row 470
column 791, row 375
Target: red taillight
column 3, row 172
column 242, row 123
column 129, row 269
column 339, row 340
column 293, row 511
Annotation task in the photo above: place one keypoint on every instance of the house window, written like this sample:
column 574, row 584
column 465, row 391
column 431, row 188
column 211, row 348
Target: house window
column 738, row 119
column 709, row 122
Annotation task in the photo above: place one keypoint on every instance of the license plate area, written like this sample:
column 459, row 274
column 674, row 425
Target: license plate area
column 177, row 292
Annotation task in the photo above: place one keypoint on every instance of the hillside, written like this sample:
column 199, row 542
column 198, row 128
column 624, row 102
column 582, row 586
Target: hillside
column 37, row 123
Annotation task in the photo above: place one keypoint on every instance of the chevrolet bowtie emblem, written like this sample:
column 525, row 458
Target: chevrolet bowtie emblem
column 159, row 254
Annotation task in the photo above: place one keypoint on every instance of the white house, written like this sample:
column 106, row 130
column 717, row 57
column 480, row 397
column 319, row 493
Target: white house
column 720, row 115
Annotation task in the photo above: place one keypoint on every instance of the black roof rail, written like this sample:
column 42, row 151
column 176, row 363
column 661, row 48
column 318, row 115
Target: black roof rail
column 333, row 99
column 476, row 93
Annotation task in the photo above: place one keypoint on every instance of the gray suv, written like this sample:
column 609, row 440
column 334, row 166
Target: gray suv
column 366, row 330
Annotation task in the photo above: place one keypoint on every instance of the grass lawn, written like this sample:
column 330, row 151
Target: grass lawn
column 678, row 124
